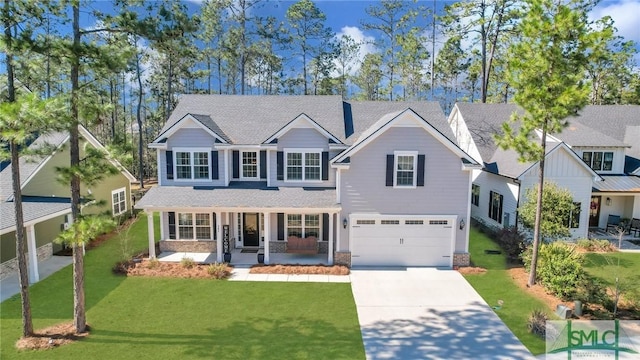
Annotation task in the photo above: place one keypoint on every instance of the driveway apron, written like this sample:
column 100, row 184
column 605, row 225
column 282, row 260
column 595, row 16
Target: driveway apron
column 428, row 313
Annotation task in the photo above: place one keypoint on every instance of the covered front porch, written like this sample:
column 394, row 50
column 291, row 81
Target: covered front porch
column 211, row 223
column 617, row 195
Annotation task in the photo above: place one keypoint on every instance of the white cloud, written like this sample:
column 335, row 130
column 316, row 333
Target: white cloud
column 366, row 47
column 625, row 14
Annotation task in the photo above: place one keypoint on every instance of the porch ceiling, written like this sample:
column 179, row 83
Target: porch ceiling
column 617, row 183
column 167, row 197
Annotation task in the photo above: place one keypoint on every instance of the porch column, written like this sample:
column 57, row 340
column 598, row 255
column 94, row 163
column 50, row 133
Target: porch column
column 331, row 230
column 218, row 237
column 162, row 234
column 33, row 254
column 636, row 206
column 267, row 236
column 152, row 235
column 339, row 223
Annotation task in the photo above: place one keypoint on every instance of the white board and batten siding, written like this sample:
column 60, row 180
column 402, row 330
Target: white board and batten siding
column 402, row 240
column 445, row 190
column 504, row 186
column 566, row 172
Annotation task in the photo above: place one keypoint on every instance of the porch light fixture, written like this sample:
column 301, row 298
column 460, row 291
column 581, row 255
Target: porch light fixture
column 461, row 224
column 608, row 201
column 344, row 223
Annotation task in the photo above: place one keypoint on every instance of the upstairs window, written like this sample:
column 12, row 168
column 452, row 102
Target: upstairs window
column 249, row 164
column 302, row 166
column 405, row 169
column 192, row 165
column 598, row 160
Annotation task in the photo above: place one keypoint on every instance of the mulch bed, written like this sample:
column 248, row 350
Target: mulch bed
column 164, row 269
column 467, row 270
column 51, row 337
column 300, row 269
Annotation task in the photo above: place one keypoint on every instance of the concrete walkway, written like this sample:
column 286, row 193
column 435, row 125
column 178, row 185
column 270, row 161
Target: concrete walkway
column 427, row 313
column 10, row 285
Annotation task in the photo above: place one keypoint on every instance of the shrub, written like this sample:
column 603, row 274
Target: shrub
column 537, row 322
column 153, row 263
column 512, row 241
column 559, row 268
column 592, row 291
column 187, row 262
column 218, row 270
column 122, row 267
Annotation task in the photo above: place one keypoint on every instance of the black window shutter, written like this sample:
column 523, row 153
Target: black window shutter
column 325, row 165
column 169, row 160
column 214, row 166
column 172, row 225
column 263, row 164
column 420, row 179
column 490, row 202
column 215, row 232
column 280, row 226
column 236, row 164
column 390, row 161
column 280, row 164
column 325, row 227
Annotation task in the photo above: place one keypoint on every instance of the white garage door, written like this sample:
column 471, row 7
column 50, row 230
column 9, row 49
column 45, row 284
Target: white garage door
column 395, row 240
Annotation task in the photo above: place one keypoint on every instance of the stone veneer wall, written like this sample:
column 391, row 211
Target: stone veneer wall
column 323, row 247
column 10, row 267
column 461, row 259
column 196, row 246
column 342, row 258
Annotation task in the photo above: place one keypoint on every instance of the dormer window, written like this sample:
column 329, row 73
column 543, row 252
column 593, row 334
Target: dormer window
column 192, row 164
column 249, row 164
column 598, row 160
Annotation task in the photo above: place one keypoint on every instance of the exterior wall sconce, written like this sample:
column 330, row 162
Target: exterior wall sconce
column 608, row 201
column 344, row 223
column 462, row 224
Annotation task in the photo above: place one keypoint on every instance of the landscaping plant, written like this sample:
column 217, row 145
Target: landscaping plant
column 560, row 268
column 187, row 262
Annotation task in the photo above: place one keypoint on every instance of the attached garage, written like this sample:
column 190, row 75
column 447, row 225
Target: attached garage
column 397, row 240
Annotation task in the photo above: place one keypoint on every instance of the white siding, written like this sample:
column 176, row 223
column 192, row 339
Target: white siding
column 506, row 187
column 462, row 135
column 618, row 158
column 446, row 189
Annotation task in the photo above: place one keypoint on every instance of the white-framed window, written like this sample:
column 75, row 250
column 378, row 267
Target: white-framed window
column 250, row 164
column 303, row 165
column 192, row 164
column 303, row 225
column 119, row 201
column 405, row 169
column 194, row 226
column 598, row 160
column 573, row 220
column 495, row 206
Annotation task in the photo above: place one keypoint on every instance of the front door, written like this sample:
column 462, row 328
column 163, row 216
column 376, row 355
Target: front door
column 594, row 211
column 250, row 233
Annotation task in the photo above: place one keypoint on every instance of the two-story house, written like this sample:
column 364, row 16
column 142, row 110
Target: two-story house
column 592, row 157
column 370, row 183
column 46, row 202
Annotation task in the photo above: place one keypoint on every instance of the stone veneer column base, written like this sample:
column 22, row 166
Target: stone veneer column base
column 196, row 246
column 277, row 247
column 461, row 259
column 342, row 258
column 10, row 267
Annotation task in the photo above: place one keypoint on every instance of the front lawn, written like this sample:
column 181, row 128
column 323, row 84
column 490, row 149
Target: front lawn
column 160, row 318
column 496, row 284
column 624, row 265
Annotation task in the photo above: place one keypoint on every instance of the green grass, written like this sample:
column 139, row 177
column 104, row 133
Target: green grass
column 496, row 284
column 153, row 318
column 624, row 265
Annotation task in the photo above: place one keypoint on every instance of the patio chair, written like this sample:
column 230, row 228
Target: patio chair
column 613, row 222
column 634, row 227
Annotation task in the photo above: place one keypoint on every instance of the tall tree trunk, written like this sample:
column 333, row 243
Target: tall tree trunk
column 483, row 54
column 536, row 225
column 23, row 275
column 139, row 119
column 79, row 316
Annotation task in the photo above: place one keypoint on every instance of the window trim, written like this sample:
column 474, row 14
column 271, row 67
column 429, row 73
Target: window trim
column 397, row 154
column 302, row 225
column 242, row 165
column 475, row 194
column 500, row 213
column 193, row 226
column 191, row 152
column 124, row 200
column 304, row 153
column 602, row 160
column 577, row 205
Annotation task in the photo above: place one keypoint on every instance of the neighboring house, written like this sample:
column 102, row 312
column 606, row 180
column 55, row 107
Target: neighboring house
column 594, row 157
column 366, row 183
column 46, row 202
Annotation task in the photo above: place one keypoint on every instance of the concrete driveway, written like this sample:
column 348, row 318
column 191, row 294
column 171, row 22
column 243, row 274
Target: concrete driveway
column 427, row 313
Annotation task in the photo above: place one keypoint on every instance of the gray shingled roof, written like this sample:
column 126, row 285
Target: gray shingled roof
column 578, row 134
column 29, row 164
column 250, row 119
column 618, row 183
column 31, row 211
column 165, row 197
column 611, row 120
column 209, row 123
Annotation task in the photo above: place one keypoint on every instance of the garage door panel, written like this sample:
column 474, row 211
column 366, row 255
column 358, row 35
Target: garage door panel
column 402, row 241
